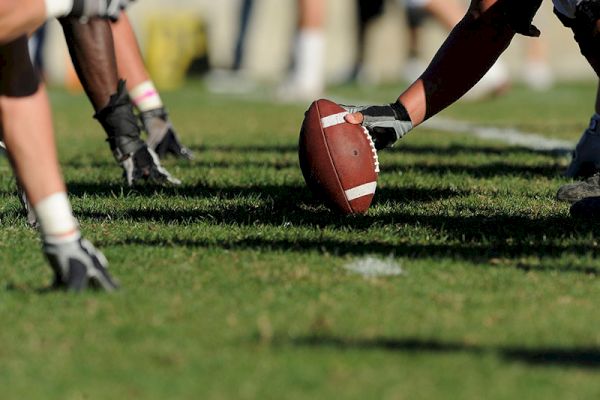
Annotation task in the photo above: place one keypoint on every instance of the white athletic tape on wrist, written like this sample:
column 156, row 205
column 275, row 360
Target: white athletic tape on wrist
column 56, row 217
column 361, row 191
column 146, row 97
column 58, row 8
column 333, row 120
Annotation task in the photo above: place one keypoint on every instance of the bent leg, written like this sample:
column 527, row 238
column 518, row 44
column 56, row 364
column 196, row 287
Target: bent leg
column 93, row 54
column 129, row 57
column 30, row 141
column 162, row 137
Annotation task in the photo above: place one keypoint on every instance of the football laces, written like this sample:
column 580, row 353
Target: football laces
column 373, row 149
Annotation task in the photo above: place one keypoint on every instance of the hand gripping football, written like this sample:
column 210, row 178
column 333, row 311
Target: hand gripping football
column 338, row 160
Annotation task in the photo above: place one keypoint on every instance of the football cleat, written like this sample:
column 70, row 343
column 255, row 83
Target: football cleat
column 78, row 265
column 577, row 191
column 586, row 156
column 588, row 209
column 144, row 166
column 161, row 135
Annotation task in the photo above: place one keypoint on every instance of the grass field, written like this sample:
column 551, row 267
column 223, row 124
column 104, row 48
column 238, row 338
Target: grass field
column 234, row 284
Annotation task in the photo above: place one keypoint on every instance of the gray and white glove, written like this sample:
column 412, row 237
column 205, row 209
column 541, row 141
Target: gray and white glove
column 386, row 124
column 78, row 265
column 98, row 8
column 144, row 166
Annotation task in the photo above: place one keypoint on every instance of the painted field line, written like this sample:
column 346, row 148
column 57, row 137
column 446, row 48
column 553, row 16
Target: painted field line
column 510, row 136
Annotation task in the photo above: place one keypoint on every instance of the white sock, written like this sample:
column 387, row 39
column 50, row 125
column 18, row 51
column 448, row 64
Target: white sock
column 309, row 71
column 58, row 8
column 145, row 97
column 56, row 219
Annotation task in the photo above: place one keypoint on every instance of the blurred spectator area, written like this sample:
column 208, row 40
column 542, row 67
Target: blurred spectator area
column 272, row 26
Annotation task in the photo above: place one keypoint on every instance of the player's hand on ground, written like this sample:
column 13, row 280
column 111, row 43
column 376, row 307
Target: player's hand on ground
column 144, row 166
column 99, row 8
column 78, row 265
column 386, row 123
column 162, row 137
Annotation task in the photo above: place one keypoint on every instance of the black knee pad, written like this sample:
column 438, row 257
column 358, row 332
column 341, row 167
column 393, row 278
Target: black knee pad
column 584, row 26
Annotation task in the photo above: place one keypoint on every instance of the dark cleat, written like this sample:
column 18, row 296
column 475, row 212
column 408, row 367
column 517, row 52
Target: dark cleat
column 588, row 209
column 574, row 192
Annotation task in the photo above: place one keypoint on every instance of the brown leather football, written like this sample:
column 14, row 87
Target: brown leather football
column 338, row 160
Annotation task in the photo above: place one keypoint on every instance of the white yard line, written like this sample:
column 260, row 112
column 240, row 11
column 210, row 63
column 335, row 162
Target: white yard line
column 511, row 136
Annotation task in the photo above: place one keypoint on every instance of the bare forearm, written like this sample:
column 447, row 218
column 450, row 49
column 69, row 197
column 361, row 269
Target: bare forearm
column 472, row 48
column 27, row 124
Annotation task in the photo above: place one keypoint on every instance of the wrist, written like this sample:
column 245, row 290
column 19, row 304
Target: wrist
column 400, row 112
column 58, row 8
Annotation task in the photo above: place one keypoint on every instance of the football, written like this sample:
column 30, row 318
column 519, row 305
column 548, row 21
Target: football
column 338, row 160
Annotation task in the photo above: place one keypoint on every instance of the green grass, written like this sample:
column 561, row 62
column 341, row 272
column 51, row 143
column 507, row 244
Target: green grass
column 234, row 286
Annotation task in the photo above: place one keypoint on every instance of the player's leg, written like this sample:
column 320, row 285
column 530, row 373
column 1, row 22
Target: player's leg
column 307, row 80
column 20, row 17
column 161, row 134
column 30, row 145
column 92, row 51
column 416, row 16
column 470, row 50
column 586, row 157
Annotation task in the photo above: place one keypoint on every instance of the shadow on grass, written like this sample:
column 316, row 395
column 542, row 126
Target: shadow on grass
column 487, row 170
column 286, row 218
column 404, row 147
column 582, row 357
column 285, row 196
column 511, row 255
column 479, row 171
